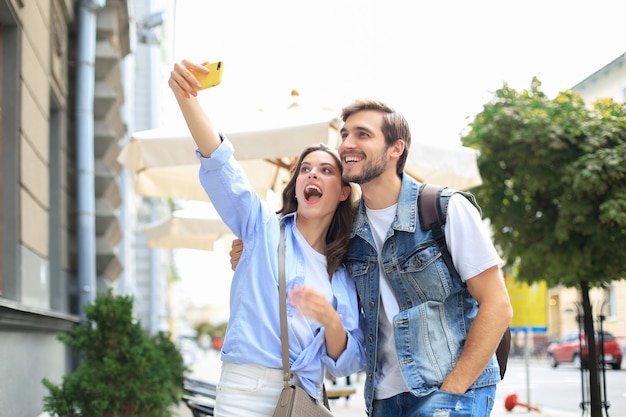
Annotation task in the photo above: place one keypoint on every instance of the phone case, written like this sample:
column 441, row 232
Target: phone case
column 213, row 78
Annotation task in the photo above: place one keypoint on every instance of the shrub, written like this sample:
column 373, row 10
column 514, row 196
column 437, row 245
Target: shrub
column 122, row 371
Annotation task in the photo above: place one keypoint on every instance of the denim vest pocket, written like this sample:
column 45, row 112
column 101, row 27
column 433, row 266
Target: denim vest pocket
column 427, row 347
column 423, row 275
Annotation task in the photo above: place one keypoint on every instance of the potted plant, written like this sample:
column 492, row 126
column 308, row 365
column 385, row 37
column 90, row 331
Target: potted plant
column 122, row 370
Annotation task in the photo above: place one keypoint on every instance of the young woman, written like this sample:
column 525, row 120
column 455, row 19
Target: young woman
column 323, row 317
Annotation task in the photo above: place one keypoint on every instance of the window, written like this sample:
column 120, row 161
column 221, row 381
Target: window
column 611, row 303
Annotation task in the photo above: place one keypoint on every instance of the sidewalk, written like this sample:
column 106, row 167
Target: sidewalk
column 355, row 406
column 206, row 365
column 500, row 411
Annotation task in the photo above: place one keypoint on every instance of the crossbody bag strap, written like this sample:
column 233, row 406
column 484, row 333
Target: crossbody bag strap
column 282, row 294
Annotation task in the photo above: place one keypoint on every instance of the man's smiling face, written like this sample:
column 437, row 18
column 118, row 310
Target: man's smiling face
column 363, row 151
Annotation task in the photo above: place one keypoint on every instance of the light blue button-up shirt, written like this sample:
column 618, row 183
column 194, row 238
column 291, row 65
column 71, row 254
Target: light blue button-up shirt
column 253, row 335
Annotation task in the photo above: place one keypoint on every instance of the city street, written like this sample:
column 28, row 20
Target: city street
column 556, row 392
column 558, row 388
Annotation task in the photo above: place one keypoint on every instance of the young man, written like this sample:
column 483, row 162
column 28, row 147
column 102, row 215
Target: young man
column 430, row 348
column 428, row 344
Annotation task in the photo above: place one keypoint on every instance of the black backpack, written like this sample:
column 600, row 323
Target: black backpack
column 432, row 217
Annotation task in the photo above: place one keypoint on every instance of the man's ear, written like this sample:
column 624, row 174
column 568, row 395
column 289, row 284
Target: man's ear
column 397, row 149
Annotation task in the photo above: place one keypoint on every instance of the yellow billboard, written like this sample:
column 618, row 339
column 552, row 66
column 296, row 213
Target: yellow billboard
column 529, row 301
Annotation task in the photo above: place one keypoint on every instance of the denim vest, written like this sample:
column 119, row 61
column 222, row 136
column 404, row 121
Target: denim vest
column 436, row 310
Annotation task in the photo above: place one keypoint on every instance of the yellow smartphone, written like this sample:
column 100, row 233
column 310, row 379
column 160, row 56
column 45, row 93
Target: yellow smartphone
column 213, row 78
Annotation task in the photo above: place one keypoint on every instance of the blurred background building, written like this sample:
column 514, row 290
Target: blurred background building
column 75, row 78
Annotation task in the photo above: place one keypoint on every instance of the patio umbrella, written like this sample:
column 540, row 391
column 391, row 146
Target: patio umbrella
column 200, row 231
column 188, row 230
column 453, row 166
column 164, row 164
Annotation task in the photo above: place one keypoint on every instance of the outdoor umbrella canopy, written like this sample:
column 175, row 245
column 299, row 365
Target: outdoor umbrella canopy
column 187, row 230
column 163, row 161
column 163, row 164
column 453, row 166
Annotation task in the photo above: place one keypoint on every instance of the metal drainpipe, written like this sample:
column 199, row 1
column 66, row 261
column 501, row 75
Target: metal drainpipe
column 155, row 255
column 85, row 163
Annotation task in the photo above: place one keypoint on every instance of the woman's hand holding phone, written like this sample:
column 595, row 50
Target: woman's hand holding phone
column 213, row 77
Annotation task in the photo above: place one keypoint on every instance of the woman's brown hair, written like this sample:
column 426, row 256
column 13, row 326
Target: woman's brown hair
column 338, row 235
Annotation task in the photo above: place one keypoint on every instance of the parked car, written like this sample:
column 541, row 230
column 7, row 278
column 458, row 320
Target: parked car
column 568, row 349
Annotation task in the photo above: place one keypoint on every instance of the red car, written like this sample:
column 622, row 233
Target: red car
column 568, row 349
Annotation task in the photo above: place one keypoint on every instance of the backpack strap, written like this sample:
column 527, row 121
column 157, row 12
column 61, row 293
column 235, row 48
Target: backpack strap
column 432, row 218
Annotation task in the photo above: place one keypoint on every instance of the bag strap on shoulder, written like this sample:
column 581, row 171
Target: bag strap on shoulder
column 432, row 218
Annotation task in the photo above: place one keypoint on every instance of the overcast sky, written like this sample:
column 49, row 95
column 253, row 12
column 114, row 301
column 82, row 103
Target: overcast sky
column 437, row 62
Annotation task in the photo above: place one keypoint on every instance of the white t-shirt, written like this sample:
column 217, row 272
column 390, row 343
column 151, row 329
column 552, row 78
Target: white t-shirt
column 471, row 256
column 388, row 366
column 317, row 278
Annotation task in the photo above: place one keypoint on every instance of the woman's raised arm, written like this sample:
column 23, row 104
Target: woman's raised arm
column 185, row 86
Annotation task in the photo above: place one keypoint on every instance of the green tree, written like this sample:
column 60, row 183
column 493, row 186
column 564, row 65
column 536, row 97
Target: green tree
column 123, row 372
column 554, row 189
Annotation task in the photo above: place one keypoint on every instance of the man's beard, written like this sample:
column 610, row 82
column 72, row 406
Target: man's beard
column 370, row 171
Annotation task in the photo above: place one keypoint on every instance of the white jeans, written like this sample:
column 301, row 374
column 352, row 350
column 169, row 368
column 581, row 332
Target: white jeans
column 248, row 391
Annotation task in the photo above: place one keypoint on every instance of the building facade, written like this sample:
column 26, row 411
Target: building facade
column 61, row 104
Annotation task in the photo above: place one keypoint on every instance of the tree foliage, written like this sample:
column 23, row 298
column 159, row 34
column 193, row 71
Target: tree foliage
column 123, row 371
column 554, row 183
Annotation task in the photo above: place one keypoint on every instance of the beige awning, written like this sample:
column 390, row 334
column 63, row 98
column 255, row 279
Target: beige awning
column 190, row 231
column 453, row 166
column 163, row 164
column 163, row 161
